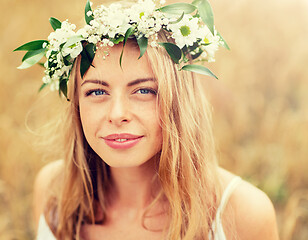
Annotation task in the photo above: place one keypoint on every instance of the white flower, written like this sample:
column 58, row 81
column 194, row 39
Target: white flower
column 210, row 43
column 73, row 50
column 61, row 35
column 83, row 32
column 206, row 35
column 46, row 79
column 210, row 50
column 185, row 32
column 93, row 39
column 141, row 11
column 114, row 21
column 54, row 85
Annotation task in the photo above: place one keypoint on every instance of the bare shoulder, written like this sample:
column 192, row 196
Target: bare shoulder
column 42, row 188
column 253, row 211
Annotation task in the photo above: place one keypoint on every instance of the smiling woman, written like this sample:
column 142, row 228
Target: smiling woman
column 121, row 111
column 139, row 160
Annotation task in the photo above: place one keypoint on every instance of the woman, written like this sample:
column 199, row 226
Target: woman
column 139, row 159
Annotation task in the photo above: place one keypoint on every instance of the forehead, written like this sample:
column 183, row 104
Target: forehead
column 107, row 65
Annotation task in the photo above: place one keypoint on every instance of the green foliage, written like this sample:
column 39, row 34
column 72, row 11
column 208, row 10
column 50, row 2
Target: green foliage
column 128, row 33
column 31, row 46
column 87, row 56
column 143, row 44
column 206, row 13
column 87, row 9
column 30, row 54
column 90, row 50
column 117, row 40
column 55, row 23
column 198, row 69
column 42, row 86
column 173, row 50
column 63, row 87
column 179, row 19
column 31, row 58
column 225, row 45
column 178, row 8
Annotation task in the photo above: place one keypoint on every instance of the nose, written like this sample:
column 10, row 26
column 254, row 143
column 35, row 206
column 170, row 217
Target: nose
column 119, row 112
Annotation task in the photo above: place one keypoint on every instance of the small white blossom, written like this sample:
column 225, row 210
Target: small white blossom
column 83, row 32
column 93, row 39
column 185, row 32
column 110, row 23
column 73, row 50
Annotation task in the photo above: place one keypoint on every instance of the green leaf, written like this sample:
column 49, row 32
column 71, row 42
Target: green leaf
column 225, row 45
column 41, row 64
column 63, row 87
column 30, row 54
column 55, row 23
column 193, row 47
column 198, row 69
column 90, row 51
column 178, row 20
column 67, row 60
column 173, row 50
column 117, row 40
column 31, row 46
column 72, row 40
column 87, row 56
column 42, row 86
column 30, row 61
column 143, row 44
column 206, row 13
column 128, row 33
column 178, row 8
column 87, row 9
column 84, row 64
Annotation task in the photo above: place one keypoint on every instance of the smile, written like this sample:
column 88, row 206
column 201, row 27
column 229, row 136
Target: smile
column 122, row 141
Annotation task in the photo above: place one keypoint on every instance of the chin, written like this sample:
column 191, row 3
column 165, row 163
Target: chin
column 125, row 162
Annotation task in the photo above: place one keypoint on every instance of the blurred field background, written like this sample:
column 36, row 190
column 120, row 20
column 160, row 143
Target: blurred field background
column 260, row 104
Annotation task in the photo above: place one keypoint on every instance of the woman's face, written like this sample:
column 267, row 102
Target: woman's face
column 118, row 108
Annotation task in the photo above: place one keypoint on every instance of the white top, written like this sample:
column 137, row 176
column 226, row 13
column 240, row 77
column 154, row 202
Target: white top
column 44, row 232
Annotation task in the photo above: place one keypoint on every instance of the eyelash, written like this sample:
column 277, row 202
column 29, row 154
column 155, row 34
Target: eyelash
column 90, row 92
column 150, row 90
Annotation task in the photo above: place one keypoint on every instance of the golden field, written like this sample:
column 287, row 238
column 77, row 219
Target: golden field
column 260, row 104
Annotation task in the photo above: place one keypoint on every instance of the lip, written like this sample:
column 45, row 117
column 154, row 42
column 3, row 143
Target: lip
column 131, row 140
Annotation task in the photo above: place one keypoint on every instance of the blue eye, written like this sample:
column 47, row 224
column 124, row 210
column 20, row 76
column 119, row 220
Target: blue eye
column 96, row 92
column 146, row 91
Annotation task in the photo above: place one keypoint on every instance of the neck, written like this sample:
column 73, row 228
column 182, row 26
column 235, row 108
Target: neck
column 133, row 187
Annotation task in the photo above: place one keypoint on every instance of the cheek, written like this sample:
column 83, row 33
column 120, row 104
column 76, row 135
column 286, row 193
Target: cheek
column 152, row 119
column 89, row 119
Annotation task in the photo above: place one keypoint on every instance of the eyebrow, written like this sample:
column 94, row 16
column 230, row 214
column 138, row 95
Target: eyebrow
column 132, row 83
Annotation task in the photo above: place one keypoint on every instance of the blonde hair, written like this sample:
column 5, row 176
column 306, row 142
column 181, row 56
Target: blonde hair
column 187, row 168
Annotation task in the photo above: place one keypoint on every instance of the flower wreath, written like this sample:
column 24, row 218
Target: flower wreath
column 190, row 25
